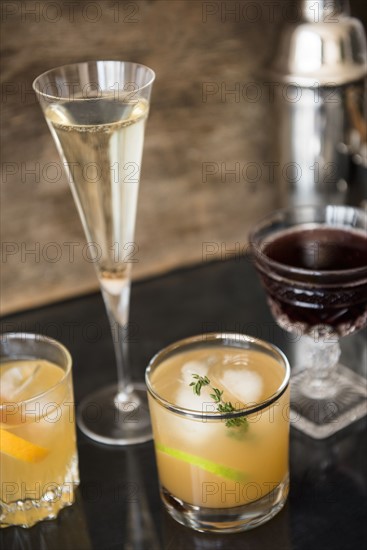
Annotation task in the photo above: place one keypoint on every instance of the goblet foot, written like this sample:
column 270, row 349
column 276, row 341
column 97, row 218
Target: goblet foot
column 105, row 417
column 322, row 416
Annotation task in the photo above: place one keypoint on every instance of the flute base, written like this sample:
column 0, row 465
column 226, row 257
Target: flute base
column 321, row 417
column 105, row 419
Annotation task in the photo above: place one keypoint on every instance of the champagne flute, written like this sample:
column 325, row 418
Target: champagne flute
column 96, row 112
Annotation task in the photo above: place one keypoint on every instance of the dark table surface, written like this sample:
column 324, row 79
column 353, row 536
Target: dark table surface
column 118, row 504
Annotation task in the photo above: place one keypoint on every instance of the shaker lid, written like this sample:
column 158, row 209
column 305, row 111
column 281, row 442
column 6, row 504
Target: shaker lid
column 322, row 53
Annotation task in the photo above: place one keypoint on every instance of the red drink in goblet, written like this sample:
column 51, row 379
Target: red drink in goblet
column 312, row 262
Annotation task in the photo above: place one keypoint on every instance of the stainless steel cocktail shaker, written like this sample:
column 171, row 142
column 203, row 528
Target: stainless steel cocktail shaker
column 319, row 68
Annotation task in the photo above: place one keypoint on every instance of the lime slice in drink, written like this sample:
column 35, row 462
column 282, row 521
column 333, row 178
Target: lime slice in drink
column 203, row 463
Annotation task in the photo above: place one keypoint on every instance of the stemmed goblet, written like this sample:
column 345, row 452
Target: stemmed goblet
column 96, row 112
column 312, row 262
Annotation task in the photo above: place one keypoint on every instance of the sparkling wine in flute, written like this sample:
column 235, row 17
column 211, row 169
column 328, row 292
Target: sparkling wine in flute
column 101, row 143
column 96, row 112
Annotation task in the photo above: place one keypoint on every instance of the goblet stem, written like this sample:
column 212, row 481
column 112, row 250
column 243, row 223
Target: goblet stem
column 321, row 355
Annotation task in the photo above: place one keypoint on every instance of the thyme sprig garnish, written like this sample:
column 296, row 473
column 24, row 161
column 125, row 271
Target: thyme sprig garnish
column 200, row 382
column 222, row 406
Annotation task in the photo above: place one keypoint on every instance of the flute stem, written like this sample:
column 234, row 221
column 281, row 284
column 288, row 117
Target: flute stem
column 118, row 306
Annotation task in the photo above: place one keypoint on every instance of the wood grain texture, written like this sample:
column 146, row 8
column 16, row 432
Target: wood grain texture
column 192, row 51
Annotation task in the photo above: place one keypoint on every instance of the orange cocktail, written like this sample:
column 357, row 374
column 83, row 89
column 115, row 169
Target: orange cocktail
column 38, row 457
column 220, row 414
